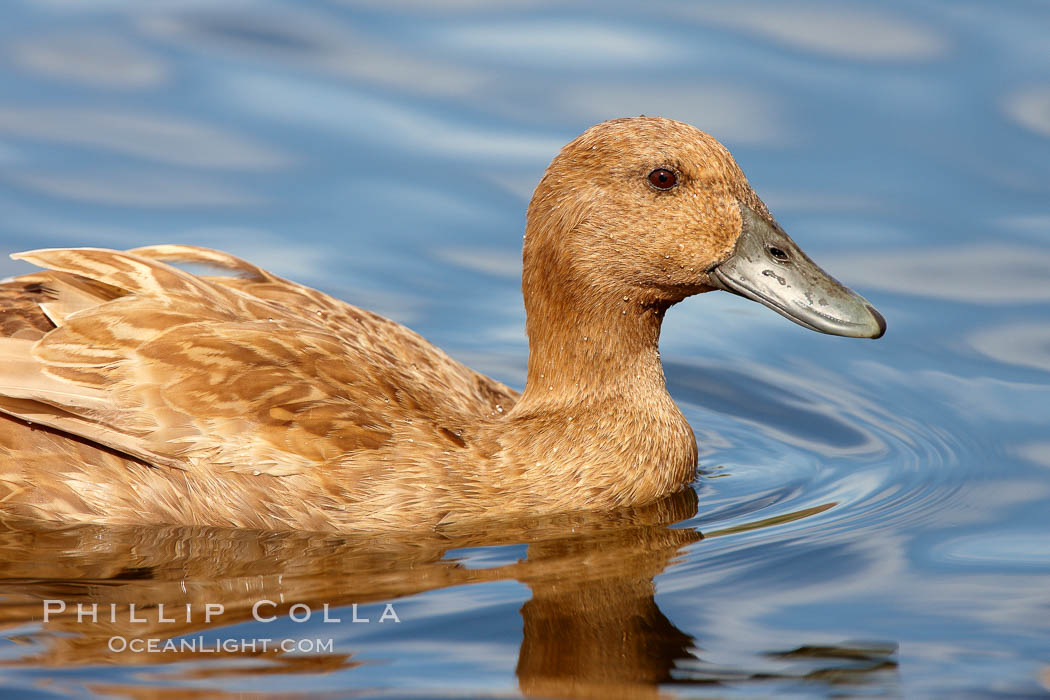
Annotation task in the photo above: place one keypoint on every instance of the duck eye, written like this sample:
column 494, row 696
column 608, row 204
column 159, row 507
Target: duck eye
column 662, row 179
column 778, row 254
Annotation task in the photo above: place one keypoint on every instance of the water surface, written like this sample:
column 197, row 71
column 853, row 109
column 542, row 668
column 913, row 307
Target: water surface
column 872, row 517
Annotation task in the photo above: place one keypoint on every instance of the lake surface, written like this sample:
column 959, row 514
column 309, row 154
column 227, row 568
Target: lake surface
column 872, row 518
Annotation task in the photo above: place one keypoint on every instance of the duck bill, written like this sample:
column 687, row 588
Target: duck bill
column 766, row 266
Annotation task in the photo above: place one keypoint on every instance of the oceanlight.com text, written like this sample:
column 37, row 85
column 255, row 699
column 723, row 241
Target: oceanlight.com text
column 200, row 645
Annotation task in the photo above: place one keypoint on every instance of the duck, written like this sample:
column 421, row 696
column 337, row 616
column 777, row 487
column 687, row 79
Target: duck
column 135, row 392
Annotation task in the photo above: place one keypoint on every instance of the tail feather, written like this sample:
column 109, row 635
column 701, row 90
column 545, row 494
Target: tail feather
column 22, row 377
column 127, row 271
column 51, row 416
column 204, row 256
column 70, row 293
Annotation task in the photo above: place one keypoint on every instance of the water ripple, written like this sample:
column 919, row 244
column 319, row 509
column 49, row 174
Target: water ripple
column 105, row 60
column 970, row 273
column 322, row 45
column 157, row 137
column 776, row 431
column 830, row 29
column 1026, row 344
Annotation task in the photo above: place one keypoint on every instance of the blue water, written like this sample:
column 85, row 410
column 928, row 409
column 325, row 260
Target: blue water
column 875, row 516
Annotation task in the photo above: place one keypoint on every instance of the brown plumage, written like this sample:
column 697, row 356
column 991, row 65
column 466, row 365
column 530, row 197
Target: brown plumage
column 139, row 393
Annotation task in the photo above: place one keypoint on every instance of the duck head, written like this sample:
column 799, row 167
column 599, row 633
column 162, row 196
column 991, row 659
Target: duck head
column 652, row 210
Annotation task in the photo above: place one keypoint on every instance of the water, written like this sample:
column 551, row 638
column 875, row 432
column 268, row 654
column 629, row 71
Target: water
column 872, row 518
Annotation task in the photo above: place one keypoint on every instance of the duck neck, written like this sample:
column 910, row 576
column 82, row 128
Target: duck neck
column 595, row 425
column 588, row 344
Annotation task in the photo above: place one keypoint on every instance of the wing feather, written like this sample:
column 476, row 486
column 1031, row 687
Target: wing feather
column 243, row 374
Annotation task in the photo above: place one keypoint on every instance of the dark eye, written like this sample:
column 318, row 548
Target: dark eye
column 778, row 254
column 662, row 179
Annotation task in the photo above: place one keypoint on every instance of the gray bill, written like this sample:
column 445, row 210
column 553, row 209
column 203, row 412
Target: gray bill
column 766, row 266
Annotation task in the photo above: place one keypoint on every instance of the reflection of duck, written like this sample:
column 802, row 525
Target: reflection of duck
column 590, row 628
column 613, row 555
column 251, row 401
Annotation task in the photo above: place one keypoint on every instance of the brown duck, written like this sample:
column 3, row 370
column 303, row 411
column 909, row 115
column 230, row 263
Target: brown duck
column 134, row 392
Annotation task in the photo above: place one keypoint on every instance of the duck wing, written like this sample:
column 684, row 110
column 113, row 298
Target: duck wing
column 251, row 373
